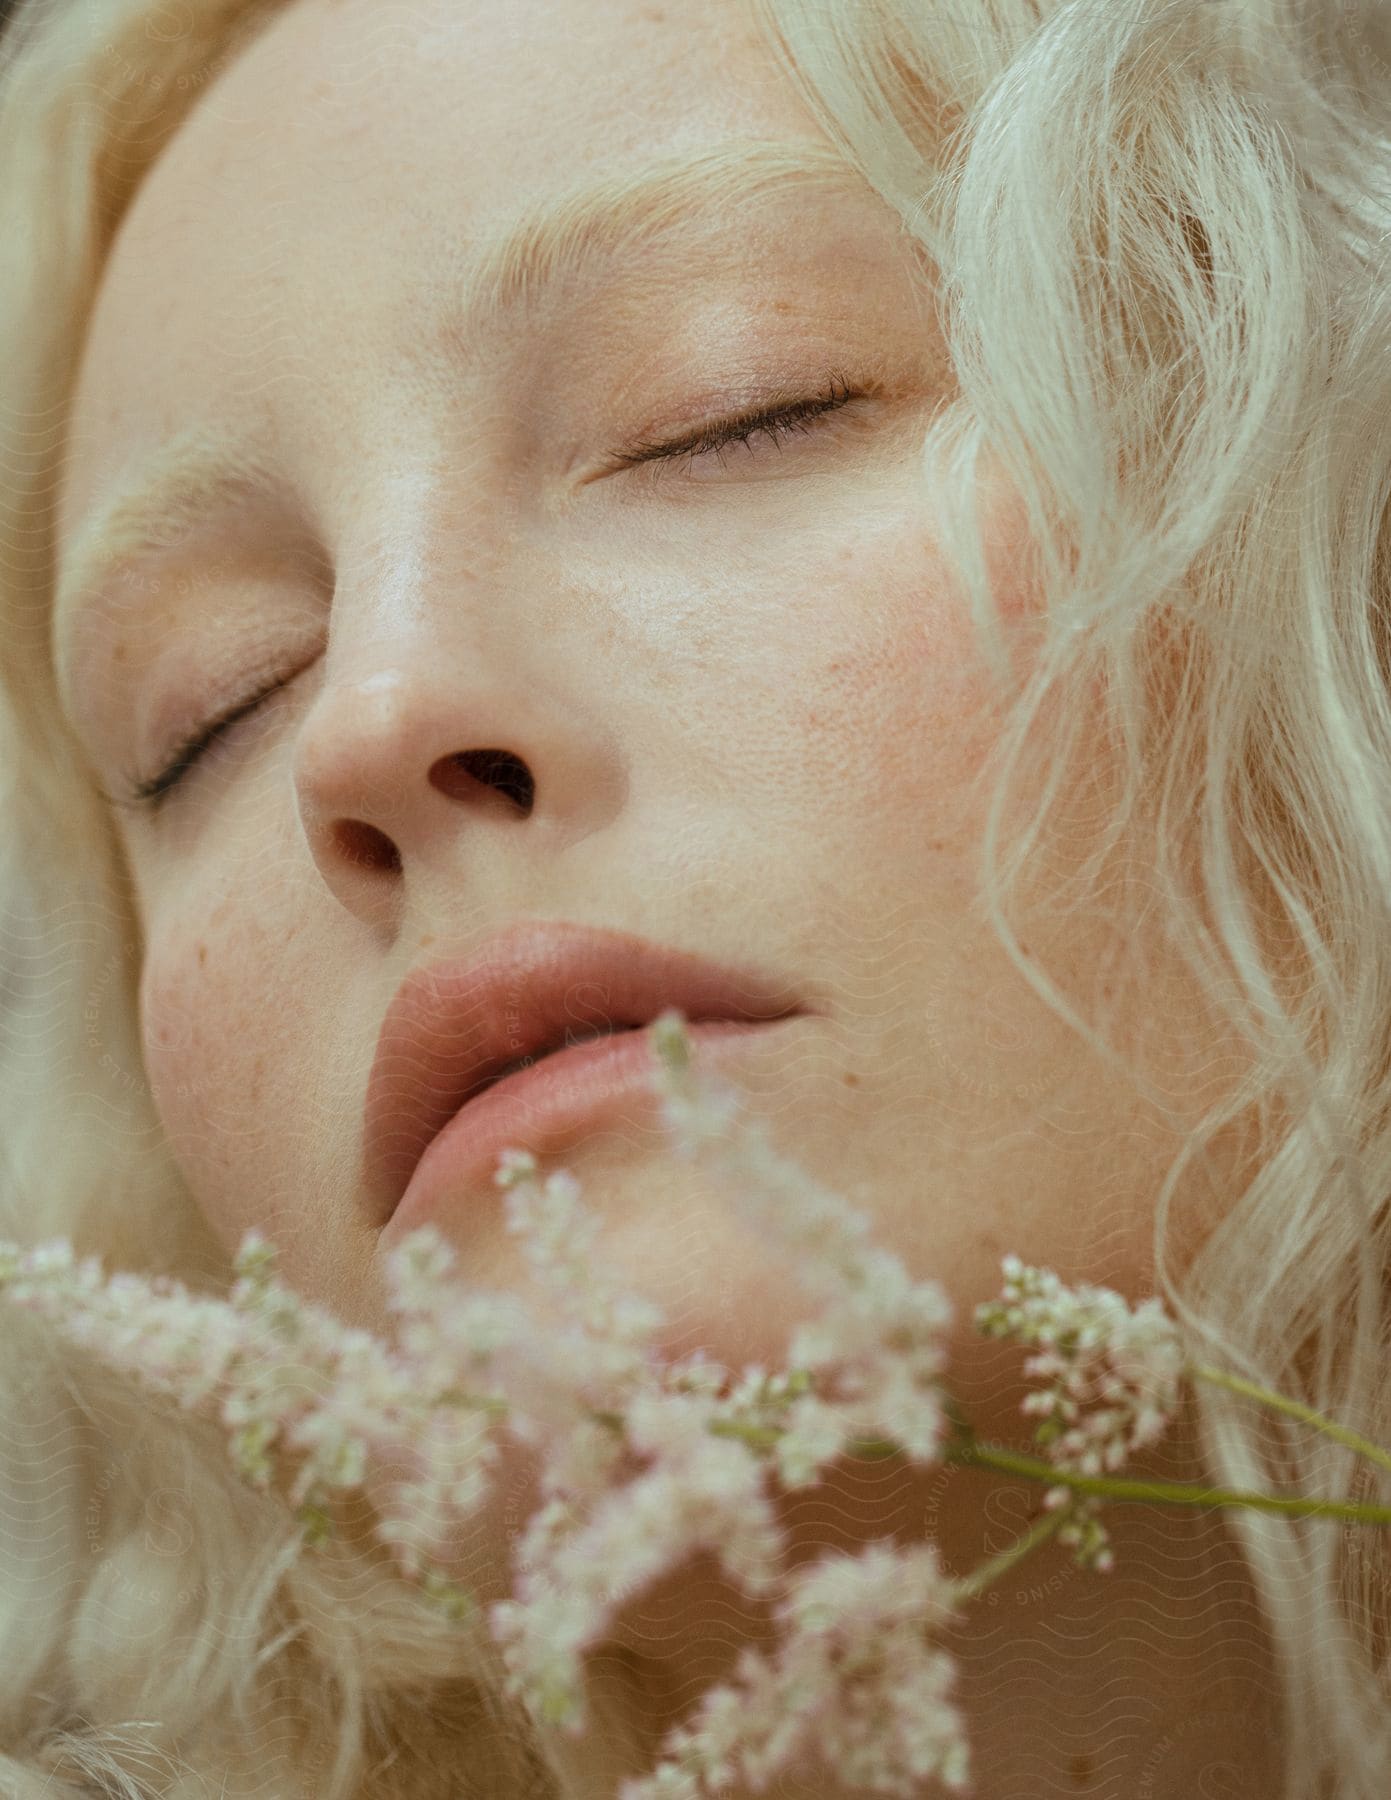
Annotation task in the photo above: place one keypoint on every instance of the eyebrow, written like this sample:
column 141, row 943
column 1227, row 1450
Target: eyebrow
column 209, row 470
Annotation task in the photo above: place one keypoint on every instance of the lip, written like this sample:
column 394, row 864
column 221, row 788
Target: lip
column 547, row 1107
column 453, row 1027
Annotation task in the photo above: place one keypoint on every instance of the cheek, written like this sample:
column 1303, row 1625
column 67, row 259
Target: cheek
column 901, row 707
column 172, row 1001
column 201, row 1060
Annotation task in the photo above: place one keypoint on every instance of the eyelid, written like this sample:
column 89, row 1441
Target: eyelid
column 796, row 409
column 146, row 795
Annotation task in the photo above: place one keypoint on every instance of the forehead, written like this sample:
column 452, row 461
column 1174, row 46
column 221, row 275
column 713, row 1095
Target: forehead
column 322, row 202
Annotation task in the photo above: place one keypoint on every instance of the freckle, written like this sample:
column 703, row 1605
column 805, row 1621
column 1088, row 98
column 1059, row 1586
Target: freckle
column 1081, row 1769
column 202, row 954
column 851, row 1080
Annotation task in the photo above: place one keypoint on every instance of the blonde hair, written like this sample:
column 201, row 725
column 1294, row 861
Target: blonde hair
column 1158, row 227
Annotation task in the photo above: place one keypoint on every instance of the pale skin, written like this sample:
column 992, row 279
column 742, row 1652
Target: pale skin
column 749, row 700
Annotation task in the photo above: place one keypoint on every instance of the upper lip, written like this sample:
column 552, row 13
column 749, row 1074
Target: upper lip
column 452, row 1027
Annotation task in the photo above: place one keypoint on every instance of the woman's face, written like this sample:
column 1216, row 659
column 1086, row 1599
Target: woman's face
column 744, row 686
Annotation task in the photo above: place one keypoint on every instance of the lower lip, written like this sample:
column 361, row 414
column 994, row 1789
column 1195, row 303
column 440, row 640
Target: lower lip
column 548, row 1106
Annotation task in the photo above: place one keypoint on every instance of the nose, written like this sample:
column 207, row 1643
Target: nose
column 416, row 772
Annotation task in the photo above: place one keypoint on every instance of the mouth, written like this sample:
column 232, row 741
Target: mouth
column 571, row 1039
column 516, row 1022
column 557, row 1101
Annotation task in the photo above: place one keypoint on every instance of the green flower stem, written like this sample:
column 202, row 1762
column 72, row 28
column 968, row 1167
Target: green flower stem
column 990, row 1571
column 1166, row 1493
column 968, row 1449
column 484, row 1402
column 1293, row 1409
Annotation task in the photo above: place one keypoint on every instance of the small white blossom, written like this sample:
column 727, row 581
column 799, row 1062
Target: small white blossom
column 813, row 1436
column 457, row 1458
column 1113, row 1371
column 1082, row 1530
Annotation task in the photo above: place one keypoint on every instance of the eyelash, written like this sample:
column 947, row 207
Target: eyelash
column 778, row 422
column 147, row 795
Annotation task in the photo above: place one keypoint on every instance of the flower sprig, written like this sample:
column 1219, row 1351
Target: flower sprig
column 644, row 1462
column 1113, row 1375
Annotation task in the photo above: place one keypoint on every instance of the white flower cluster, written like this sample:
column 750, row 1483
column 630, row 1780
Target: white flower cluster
column 1113, row 1372
column 644, row 1463
column 857, row 1684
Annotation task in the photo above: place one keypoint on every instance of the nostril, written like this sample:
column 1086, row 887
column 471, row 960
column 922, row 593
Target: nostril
column 366, row 847
column 500, row 770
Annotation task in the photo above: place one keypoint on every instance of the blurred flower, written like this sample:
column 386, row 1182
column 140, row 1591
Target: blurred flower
column 643, row 1464
column 857, row 1683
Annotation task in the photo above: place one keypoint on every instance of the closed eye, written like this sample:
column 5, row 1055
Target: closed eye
column 777, row 422
column 147, row 794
